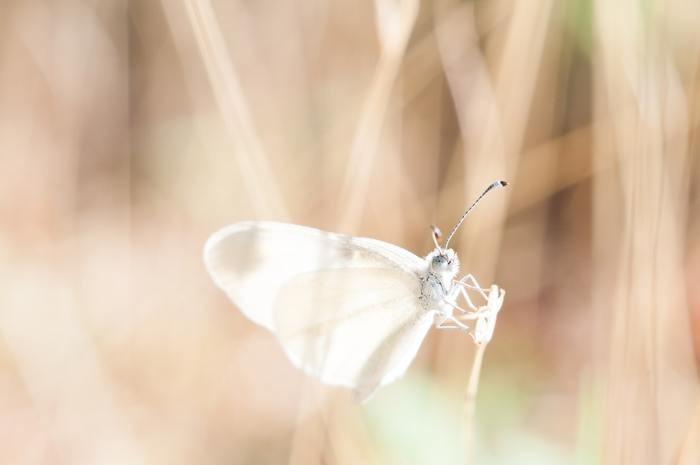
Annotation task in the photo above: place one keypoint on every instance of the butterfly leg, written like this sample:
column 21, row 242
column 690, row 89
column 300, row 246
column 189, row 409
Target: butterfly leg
column 469, row 281
column 463, row 310
column 466, row 314
column 456, row 292
column 456, row 324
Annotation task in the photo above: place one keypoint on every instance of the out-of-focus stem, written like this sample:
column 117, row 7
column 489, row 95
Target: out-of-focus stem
column 250, row 153
column 690, row 448
column 470, row 403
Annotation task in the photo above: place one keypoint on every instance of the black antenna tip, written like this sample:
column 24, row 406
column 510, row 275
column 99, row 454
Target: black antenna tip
column 501, row 183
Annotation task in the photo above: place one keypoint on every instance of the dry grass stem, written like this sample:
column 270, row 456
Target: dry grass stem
column 469, row 418
column 260, row 184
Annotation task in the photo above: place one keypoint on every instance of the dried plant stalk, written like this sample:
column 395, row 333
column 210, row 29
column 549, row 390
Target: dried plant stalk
column 260, row 184
column 470, row 404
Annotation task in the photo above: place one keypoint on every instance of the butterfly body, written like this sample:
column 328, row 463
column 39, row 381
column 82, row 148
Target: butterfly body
column 437, row 284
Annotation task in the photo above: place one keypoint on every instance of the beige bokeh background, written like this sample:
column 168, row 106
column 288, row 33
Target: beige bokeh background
column 130, row 131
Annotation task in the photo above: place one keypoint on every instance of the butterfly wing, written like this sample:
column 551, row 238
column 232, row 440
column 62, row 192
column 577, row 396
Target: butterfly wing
column 345, row 309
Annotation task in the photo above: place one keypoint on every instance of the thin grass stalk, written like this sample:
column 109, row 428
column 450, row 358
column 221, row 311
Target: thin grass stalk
column 250, row 154
column 469, row 417
column 394, row 25
column 690, row 448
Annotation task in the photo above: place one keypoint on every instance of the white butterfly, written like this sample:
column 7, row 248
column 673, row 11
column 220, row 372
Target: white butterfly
column 349, row 310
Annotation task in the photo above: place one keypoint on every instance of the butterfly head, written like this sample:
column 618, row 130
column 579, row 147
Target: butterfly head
column 443, row 262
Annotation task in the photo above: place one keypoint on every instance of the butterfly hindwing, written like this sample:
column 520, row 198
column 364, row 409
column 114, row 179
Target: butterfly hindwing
column 358, row 328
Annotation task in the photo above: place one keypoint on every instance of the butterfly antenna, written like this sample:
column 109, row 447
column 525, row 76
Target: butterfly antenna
column 436, row 233
column 461, row 220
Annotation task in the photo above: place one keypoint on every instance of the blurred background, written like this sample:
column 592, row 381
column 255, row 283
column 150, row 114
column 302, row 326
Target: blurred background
column 130, row 131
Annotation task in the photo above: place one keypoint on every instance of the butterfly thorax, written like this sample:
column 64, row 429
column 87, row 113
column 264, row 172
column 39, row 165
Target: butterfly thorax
column 437, row 282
